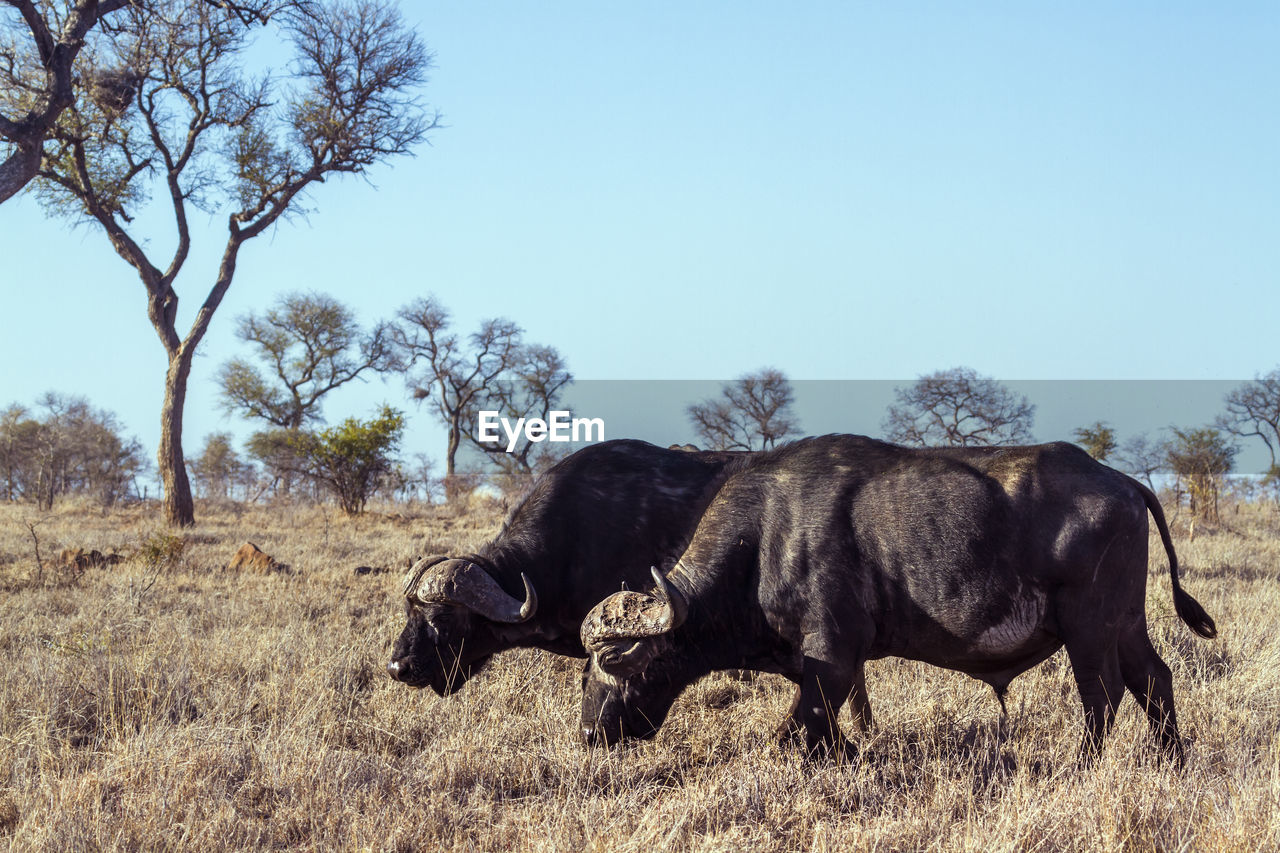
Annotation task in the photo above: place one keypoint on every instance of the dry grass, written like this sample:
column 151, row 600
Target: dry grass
column 166, row 702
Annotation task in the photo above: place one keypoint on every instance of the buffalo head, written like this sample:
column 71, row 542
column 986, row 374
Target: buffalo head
column 455, row 612
column 626, row 692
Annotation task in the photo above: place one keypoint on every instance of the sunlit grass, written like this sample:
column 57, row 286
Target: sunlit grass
column 168, row 703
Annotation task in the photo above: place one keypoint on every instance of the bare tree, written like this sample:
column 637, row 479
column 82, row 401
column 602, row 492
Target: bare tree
column 453, row 376
column 752, row 413
column 39, row 49
column 311, row 344
column 1099, row 440
column 957, row 407
column 188, row 124
column 492, row 369
column 1253, row 409
column 532, row 388
column 1143, row 458
column 416, row 481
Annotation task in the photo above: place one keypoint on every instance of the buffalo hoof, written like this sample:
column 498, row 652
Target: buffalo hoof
column 790, row 734
column 840, row 750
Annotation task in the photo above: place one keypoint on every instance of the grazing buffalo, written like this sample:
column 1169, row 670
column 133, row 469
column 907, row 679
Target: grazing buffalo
column 821, row 555
column 597, row 519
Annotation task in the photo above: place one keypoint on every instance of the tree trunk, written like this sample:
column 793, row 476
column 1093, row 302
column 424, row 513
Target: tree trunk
column 179, row 508
column 455, row 437
column 18, row 170
column 451, row 489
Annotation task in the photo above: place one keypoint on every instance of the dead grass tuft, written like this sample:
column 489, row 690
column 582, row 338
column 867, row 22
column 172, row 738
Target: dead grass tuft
column 9, row 813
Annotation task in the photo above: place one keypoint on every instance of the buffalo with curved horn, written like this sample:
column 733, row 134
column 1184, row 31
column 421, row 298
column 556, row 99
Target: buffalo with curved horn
column 596, row 520
column 823, row 554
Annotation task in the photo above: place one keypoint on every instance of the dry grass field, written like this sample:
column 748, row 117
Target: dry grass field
column 169, row 703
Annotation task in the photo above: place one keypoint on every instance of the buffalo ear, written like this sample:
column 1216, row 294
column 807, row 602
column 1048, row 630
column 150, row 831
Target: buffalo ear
column 625, row 658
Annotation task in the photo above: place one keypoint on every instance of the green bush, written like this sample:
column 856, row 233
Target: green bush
column 352, row 458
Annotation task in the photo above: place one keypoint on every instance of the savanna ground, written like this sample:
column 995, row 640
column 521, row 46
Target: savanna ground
column 169, row 703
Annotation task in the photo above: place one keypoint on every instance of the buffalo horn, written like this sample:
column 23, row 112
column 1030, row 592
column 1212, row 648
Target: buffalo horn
column 677, row 607
column 463, row 583
column 419, row 569
column 635, row 615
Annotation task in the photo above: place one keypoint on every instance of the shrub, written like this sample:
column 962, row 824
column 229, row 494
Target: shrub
column 352, row 458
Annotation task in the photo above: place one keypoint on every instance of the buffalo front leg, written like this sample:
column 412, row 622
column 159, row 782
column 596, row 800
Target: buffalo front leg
column 824, row 688
column 859, row 701
column 793, row 726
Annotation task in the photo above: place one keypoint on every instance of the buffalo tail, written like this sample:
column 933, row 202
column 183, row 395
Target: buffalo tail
column 1189, row 610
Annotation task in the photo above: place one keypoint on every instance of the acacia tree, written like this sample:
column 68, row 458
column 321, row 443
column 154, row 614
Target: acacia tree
column 752, row 413
column 958, row 407
column 352, row 458
column 1200, row 458
column 1098, row 440
column 47, row 39
column 190, row 124
column 311, row 344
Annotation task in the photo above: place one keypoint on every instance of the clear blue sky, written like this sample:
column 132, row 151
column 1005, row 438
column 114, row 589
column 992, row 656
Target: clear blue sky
column 695, row 190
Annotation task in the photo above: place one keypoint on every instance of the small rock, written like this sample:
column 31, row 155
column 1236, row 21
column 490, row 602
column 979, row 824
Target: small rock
column 78, row 559
column 251, row 558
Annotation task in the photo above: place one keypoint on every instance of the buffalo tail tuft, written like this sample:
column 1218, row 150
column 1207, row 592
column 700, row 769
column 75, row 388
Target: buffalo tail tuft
column 1193, row 614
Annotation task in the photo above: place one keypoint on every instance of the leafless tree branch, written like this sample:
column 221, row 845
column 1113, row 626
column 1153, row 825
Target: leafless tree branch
column 958, row 407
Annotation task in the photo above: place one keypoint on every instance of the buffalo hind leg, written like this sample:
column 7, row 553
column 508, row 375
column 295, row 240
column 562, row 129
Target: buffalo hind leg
column 1148, row 677
column 1097, row 673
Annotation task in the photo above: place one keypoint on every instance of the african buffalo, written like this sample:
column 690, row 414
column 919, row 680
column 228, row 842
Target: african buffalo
column 823, row 554
column 597, row 519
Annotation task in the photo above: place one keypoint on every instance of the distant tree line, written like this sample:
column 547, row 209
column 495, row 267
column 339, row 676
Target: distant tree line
column 66, row 447
column 958, row 407
column 306, row 345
